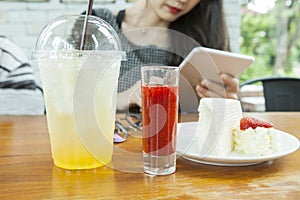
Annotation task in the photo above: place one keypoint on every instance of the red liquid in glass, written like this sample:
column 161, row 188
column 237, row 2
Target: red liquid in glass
column 160, row 115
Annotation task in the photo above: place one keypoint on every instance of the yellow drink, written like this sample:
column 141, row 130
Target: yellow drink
column 77, row 140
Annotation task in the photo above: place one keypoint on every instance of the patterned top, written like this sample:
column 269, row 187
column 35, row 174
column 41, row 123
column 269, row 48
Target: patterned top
column 137, row 56
column 15, row 72
column 19, row 93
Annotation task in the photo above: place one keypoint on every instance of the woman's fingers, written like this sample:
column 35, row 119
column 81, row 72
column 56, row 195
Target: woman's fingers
column 232, row 84
column 227, row 90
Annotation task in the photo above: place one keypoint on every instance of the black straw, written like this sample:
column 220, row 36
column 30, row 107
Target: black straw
column 84, row 35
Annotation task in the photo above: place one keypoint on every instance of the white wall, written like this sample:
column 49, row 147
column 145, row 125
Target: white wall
column 233, row 18
column 23, row 21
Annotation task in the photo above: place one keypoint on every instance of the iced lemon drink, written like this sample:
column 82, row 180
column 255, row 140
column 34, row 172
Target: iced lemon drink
column 80, row 97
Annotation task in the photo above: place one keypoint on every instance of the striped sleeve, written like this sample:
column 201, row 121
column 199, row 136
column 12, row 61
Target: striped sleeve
column 15, row 71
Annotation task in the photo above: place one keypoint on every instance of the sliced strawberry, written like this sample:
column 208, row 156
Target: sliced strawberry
column 247, row 122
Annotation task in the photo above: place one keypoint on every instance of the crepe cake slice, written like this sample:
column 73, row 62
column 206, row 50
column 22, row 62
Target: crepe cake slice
column 218, row 117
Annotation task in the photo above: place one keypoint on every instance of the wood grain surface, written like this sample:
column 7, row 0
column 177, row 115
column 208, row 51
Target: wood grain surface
column 27, row 170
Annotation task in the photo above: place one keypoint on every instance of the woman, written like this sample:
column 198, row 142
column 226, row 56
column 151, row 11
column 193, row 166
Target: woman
column 149, row 31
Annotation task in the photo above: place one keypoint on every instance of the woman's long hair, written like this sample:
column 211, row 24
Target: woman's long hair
column 205, row 24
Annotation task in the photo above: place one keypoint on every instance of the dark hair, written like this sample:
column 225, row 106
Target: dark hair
column 205, row 24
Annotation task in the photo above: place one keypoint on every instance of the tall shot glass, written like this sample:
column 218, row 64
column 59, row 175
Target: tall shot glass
column 160, row 88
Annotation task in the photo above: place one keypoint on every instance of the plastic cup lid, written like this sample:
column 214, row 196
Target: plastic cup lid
column 64, row 35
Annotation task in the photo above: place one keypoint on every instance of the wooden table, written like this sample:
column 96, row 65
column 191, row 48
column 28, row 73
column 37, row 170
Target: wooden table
column 27, row 171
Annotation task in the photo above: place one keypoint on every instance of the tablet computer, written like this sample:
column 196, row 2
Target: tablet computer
column 205, row 63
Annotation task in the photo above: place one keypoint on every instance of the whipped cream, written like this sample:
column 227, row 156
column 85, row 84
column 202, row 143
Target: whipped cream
column 257, row 142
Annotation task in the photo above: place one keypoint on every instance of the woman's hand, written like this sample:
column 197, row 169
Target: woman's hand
column 229, row 90
column 131, row 96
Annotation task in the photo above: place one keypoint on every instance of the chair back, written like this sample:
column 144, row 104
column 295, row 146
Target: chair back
column 281, row 93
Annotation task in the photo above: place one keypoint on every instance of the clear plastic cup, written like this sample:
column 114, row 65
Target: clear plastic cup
column 80, row 88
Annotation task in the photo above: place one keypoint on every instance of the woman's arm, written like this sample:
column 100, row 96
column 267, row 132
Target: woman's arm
column 19, row 93
column 131, row 96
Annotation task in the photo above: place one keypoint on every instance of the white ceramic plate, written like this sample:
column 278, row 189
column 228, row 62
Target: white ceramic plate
column 187, row 149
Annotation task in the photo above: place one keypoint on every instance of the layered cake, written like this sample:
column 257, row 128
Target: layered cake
column 222, row 128
column 218, row 117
